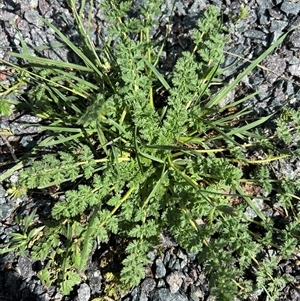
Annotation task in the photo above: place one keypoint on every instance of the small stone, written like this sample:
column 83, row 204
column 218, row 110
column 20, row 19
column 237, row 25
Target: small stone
column 265, row 3
column 6, row 211
column 294, row 39
column 274, row 62
column 262, row 17
column 148, row 285
column 32, row 17
column 172, row 261
column 44, row 297
column 43, row 6
column 143, row 296
column 164, row 294
column 160, row 270
column 135, row 294
column 292, row 8
column 161, row 283
column 84, row 292
column 95, row 277
column 176, row 265
column 294, row 70
column 25, row 267
column 183, row 264
column 278, row 25
column 181, row 255
column 167, row 258
column 255, row 34
column 27, row 142
column 175, row 281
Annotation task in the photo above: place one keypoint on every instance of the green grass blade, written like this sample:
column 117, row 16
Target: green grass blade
column 215, row 100
column 251, row 204
column 158, row 75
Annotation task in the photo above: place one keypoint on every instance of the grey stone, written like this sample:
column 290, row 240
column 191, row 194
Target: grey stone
column 289, row 90
column 26, row 142
column 177, row 265
column 183, row 264
column 250, row 212
column 44, row 297
column 278, row 25
column 6, row 211
column 264, row 4
column 274, row 62
column 161, row 283
column 172, row 261
column 294, row 70
column 197, row 6
column 95, row 277
column 175, row 281
column 255, row 34
column 84, row 292
column 143, row 296
column 135, row 294
column 292, row 8
column 293, row 60
column 164, row 294
column 32, row 17
column 274, row 13
column 2, row 195
column 43, row 6
column 160, row 270
column 294, row 39
column 148, row 285
column 262, row 17
column 25, row 267
column 166, row 258
column 181, row 255
column 38, row 289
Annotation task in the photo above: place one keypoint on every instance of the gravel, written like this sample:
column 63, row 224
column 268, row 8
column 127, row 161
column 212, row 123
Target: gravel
column 175, row 275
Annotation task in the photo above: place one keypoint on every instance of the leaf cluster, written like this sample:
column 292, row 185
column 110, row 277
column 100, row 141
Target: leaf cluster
column 129, row 164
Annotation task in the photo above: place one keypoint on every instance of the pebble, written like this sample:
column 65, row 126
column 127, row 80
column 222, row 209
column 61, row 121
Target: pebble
column 160, row 270
column 25, row 267
column 174, row 281
column 84, row 292
column 163, row 294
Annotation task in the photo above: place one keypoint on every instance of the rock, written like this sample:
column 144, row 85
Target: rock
column 25, row 267
column 148, row 285
column 164, row 294
column 264, row 4
column 95, row 277
column 274, row 62
column 278, row 26
column 175, row 281
column 160, row 270
column 255, row 34
column 6, row 211
column 292, row 8
column 84, row 292
column 32, row 17
column 171, row 261
column 294, row 39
